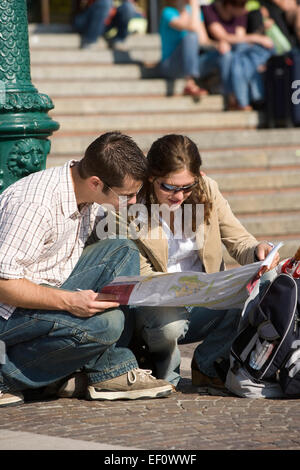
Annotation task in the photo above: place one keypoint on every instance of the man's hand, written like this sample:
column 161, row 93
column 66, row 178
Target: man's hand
column 261, row 251
column 86, row 303
column 26, row 294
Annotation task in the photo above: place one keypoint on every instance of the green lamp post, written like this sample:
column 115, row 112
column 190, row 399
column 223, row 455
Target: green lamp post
column 24, row 121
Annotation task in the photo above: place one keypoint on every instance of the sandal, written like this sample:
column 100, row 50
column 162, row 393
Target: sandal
column 195, row 91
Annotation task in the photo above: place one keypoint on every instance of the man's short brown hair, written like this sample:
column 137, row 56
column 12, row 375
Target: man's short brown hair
column 112, row 157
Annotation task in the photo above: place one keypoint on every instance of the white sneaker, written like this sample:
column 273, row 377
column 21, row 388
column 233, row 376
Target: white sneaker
column 134, row 384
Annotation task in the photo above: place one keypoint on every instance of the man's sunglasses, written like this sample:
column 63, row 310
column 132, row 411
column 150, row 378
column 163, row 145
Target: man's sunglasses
column 170, row 188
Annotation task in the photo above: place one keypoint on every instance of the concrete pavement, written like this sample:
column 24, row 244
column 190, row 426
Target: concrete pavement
column 191, row 419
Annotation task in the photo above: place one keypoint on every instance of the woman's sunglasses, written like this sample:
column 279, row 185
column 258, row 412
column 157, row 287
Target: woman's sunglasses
column 170, row 188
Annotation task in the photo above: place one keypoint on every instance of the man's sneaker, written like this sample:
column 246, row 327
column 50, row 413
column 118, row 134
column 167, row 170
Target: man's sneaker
column 136, row 383
column 11, row 399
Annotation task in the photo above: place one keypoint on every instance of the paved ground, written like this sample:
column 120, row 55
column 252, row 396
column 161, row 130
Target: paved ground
column 188, row 420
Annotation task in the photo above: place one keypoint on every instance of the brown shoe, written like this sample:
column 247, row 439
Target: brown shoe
column 11, row 399
column 135, row 384
column 74, row 387
column 201, row 380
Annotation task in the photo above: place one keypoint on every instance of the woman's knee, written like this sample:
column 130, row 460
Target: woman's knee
column 165, row 334
column 190, row 40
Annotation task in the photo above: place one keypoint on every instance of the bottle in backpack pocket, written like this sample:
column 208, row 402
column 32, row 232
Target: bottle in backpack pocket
column 260, row 354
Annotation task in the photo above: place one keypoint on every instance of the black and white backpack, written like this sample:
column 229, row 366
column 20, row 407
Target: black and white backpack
column 265, row 355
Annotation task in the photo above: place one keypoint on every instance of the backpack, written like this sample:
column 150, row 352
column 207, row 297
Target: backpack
column 265, row 355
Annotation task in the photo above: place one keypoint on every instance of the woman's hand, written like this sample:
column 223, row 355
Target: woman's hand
column 265, row 41
column 261, row 251
column 223, row 46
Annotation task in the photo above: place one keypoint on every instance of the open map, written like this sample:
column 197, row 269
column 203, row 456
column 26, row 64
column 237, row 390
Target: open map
column 222, row 290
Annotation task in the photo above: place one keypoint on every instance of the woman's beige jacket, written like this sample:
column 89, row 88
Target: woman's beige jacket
column 224, row 228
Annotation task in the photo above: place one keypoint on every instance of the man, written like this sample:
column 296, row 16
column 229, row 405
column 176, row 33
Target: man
column 52, row 320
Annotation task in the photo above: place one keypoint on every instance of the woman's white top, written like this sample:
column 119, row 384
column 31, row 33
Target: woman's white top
column 182, row 252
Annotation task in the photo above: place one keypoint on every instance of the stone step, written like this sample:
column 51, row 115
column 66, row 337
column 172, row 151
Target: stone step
column 140, row 104
column 51, row 28
column 101, row 56
column 243, row 160
column 273, row 225
column 256, row 202
column 286, row 251
column 154, row 121
column 259, row 191
column 60, row 41
column 90, row 88
column 263, row 180
column 229, row 160
column 76, row 143
column 89, row 72
column 264, row 202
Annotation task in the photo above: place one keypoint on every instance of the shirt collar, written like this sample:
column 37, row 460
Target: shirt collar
column 68, row 199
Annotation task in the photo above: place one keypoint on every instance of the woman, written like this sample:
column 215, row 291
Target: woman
column 175, row 181
column 226, row 20
column 182, row 31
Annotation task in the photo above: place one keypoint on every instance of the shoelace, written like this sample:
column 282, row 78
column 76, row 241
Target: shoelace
column 132, row 374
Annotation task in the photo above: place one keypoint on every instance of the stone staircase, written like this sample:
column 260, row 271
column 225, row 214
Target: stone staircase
column 258, row 169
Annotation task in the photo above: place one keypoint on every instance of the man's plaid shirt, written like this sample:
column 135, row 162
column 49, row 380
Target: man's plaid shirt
column 42, row 232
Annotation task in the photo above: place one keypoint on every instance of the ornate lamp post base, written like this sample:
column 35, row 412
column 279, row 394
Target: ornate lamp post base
column 24, row 121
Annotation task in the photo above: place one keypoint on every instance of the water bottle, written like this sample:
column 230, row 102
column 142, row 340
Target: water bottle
column 260, row 354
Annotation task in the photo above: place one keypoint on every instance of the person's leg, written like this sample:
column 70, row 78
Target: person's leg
column 184, row 60
column 160, row 328
column 184, row 63
column 246, row 77
column 163, row 328
column 44, row 346
column 225, row 63
column 257, row 57
column 240, row 70
column 208, row 62
column 216, row 329
column 94, row 21
column 125, row 12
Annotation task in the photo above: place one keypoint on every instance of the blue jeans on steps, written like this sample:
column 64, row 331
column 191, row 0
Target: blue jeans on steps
column 45, row 346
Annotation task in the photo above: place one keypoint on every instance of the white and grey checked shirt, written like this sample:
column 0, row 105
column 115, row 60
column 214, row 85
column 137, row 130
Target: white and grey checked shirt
column 42, row 232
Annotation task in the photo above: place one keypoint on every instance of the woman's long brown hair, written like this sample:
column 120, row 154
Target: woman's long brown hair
column 172, row 153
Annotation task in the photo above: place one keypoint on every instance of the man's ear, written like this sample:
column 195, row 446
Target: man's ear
column 94, row 183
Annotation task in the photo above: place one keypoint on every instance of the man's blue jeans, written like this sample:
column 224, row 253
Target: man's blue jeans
column 45, row 346
column 163, row 328
column 90, row 23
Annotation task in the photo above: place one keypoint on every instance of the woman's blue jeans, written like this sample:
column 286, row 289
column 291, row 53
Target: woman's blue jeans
column 186, row 61
column 163, row 328
column 238, row 67
column 245, row 81
column 45, row 346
